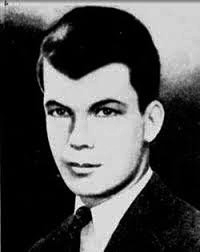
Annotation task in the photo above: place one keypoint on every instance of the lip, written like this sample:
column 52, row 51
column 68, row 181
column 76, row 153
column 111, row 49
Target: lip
column 83, row 165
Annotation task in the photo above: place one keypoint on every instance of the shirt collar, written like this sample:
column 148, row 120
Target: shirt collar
column 112, row 210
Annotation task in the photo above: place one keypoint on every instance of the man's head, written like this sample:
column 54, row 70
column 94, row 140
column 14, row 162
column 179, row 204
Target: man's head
column 100, row 74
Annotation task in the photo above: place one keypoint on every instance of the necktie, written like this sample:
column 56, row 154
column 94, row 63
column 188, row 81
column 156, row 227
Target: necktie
column 81, row 218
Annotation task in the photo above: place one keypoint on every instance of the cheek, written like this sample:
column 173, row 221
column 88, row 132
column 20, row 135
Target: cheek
column 57, row 132
column 120, row 137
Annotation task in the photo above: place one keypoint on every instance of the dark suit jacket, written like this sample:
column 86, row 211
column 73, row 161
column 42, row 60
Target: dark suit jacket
column 155, row 221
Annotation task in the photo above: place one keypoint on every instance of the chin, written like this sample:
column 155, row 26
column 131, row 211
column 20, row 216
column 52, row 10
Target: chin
column 85, row 191
column 94, row 193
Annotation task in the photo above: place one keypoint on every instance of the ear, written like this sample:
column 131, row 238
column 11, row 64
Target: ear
column 153, row 120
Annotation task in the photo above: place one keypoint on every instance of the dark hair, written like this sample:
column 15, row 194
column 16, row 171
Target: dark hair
column 87, row 38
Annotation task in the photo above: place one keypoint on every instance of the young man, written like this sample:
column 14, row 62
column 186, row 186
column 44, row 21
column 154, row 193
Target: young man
column 100, row 74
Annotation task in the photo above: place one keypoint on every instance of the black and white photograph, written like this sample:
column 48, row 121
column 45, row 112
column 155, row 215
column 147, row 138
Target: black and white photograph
column 101, row 126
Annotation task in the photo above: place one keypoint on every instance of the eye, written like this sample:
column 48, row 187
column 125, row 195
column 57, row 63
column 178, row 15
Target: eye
column 107, row 112
column 58, row 112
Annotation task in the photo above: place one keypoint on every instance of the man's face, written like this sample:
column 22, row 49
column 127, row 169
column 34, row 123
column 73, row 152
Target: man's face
column 95, row 128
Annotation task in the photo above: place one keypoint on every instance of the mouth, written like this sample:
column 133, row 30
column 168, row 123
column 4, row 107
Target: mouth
column 83, row 165
column 82, row 170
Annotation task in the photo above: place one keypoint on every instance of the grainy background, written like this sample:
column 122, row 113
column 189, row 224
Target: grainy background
column 34, row 197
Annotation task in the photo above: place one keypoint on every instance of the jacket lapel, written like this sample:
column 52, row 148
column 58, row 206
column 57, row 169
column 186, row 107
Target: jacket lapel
column 134, row 232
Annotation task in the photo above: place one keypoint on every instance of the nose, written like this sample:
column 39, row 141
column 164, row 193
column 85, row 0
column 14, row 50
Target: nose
column 80, row 138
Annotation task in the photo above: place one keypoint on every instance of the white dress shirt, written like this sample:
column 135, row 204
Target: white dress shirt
column 106, row 216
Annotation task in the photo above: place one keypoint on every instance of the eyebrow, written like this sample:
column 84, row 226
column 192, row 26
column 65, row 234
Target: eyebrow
column 50, row 103
column 105, row 102
column 95, row 105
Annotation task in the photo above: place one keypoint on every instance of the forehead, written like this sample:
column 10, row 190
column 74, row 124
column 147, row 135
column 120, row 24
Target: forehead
column 110, row 81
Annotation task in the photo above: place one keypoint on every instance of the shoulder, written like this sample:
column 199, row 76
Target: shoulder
column 175, row 223
column 56, row 240
column 179, row 225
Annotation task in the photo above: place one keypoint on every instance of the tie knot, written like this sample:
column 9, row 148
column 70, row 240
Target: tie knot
column 82, row 217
